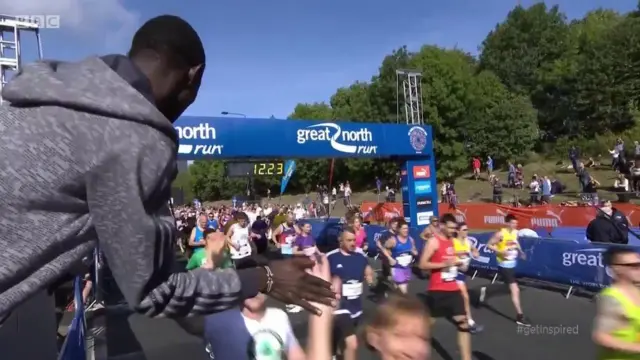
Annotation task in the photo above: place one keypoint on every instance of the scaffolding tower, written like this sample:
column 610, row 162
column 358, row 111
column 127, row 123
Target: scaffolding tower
column 11, row 31
column 409, row 83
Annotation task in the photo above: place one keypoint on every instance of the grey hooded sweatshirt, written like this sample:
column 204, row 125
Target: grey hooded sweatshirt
column 85, row 156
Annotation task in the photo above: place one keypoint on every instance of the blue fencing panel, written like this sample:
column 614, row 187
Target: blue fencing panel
column 566, row 262
column 74, row 347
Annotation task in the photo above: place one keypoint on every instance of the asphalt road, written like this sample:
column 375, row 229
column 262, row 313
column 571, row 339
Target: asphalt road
column 562, row 328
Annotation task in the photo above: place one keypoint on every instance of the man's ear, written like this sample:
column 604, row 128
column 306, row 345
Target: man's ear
column 372, row 338
column 195, row 74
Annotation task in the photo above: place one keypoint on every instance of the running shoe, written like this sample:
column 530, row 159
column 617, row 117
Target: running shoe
column 483, row 294
column 523, row 320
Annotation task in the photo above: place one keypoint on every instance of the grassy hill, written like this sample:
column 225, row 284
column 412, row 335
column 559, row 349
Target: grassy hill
column 470, row 190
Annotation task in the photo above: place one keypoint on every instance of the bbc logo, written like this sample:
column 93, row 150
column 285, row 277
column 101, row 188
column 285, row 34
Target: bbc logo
column 43, row 21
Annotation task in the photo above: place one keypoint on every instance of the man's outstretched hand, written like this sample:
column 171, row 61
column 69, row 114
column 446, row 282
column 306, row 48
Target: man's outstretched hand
column 293, row 284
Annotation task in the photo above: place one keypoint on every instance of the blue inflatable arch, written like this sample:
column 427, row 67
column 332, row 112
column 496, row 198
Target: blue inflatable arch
column 245, row 138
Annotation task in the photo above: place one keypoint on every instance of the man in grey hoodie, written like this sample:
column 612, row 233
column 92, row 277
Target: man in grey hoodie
column 88, row 154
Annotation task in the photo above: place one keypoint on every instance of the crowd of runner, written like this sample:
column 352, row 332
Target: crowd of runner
column 400, row 326
column 231, row 238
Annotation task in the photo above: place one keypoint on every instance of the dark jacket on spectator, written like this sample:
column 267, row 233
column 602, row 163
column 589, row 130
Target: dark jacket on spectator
column 609, row 229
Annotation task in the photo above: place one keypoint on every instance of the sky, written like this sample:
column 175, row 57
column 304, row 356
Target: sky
column 264, row 57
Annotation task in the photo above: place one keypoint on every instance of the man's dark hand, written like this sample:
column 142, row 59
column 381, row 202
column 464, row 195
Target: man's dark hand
column 292, row 284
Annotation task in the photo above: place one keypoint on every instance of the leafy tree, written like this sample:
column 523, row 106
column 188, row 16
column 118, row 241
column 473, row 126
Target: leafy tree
column 539, row 79
column 524, row 44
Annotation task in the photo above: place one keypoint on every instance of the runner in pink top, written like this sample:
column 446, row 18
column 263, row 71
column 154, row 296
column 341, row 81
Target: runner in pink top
column 361, row 235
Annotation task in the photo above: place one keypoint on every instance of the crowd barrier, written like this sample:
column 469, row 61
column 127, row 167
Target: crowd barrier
column 571, row 263
column 491, row 216
column 75, row 346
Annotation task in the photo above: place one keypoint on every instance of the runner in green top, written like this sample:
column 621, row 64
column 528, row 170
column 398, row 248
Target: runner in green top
column 215, row 249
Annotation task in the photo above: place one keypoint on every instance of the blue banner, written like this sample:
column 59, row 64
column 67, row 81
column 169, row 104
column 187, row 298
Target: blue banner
column 209, row 137
column 289, row 168
column 564, row 262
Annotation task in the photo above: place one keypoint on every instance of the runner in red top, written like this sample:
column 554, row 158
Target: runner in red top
column 443, row 294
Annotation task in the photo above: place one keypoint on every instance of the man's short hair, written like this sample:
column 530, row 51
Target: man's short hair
column 510, row 218
column 171, row 37
column 348, row 229
column 448, row 217
column 208, row 232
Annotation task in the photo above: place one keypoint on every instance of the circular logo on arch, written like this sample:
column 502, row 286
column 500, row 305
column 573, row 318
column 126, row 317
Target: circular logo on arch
column 418, row 138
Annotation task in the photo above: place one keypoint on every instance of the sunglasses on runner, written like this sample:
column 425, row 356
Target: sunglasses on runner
column 635, row 265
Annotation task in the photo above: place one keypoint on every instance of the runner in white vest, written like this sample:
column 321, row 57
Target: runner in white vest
column 240, row 239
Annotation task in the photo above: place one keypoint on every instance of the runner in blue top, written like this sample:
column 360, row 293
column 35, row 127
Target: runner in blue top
column 401, row 250
column 213, row 222
column 196, row 242
column 352, row 268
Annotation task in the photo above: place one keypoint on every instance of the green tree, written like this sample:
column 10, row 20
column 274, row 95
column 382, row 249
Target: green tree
column 568, row 84
column 524, row 44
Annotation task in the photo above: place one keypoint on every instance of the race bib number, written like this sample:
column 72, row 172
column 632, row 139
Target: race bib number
column 352, row 290
column 465, row 260
column 450, row 273
column 512, row 254
column 404, row 260
column 286, row 249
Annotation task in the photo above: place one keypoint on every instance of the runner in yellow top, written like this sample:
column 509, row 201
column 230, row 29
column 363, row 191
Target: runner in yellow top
column 617, row 325
column 505, row 244
column 465, row 249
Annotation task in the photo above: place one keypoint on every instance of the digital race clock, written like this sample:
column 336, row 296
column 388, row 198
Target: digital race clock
column 255, row 168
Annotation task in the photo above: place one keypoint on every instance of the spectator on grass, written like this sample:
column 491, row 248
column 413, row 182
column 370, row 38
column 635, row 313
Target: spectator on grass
column 489, row 164
column 574, row 155
column 519, row 177
column 511, row 175
column 583, row 177
column 591, row 191
column 391, row 194
column 621, row 187
column 545, row 188
column 443, row 192
column 591, row 163
column 534, row 190
column 634, row 172
column 475, row 164
column 497, row 190
column 617, row 155
column 451, row 196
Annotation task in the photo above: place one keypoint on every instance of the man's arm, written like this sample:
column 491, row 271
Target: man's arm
column 192, row 239
column 138, row 242
column 387, row 245
column 609, row 318
column 493, row 242
column 274, row 235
